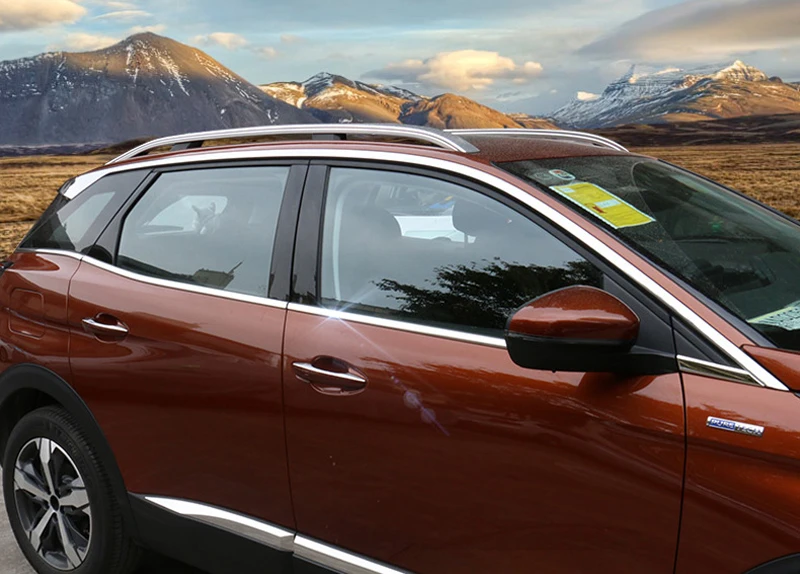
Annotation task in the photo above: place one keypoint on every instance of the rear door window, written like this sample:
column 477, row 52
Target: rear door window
column 209, row 227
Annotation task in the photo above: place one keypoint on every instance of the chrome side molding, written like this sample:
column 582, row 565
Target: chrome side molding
column 273, row 536
column 263, row 532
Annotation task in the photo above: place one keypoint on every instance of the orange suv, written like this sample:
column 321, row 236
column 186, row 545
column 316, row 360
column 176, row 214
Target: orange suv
column 384, row 349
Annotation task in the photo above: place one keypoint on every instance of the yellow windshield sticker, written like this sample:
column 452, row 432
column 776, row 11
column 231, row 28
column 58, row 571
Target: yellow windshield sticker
column 615, row 211
column 787, row 318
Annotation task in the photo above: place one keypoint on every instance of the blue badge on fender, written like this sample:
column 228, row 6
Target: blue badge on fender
column 734, row 426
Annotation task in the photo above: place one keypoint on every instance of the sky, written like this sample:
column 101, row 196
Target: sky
column 516, row 55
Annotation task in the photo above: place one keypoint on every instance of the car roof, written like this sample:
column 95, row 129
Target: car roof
column 486, row 146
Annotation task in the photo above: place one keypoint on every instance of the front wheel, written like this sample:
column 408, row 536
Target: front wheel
column 59, row 499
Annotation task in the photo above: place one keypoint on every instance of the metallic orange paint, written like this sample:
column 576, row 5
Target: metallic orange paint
column 190, row 400
column 579, row 312
column 742, row 499
column 456, row 460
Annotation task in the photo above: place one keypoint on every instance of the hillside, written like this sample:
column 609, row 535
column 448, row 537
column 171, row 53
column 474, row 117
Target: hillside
column 146, row 85
column 747, row 130
column 332, row 98
column 675, row 95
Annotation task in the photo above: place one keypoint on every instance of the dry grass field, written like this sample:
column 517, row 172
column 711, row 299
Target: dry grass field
column 768, row 172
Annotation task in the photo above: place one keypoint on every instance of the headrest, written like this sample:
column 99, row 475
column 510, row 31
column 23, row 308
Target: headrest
column 369, row 224
column 477, row 221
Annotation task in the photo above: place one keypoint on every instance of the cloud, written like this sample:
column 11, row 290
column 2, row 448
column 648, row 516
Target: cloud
column 116, row 4
column 291, row 39
column 461, row 70
column 226, row 40
column 267, row 52
column 29, row 14
column 155, row 29
column 587, row 96
column 702, row 29
column 123, row 15
column 82, row 42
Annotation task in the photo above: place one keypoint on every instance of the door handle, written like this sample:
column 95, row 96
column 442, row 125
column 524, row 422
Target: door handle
column 115, row 328
column 330, row 376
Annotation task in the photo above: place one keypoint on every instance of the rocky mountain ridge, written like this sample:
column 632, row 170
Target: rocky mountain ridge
column 676, row 95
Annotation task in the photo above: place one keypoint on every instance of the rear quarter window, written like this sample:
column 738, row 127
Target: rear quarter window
column 75, row 224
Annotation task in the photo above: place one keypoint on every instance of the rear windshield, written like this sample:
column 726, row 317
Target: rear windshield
column 736, row 252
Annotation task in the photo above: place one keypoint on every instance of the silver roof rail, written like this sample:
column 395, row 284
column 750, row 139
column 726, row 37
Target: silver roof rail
column 542, row 133
column 438, row 138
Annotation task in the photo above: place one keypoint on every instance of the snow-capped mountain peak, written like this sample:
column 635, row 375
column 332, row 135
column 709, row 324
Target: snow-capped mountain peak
column 645, row 95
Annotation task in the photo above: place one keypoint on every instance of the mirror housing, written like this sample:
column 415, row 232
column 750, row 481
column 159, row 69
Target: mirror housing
column 581, row 329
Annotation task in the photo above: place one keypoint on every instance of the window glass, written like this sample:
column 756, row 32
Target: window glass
column 209, row 227
column 429, row 251
column 737, row 253
column 74, row 224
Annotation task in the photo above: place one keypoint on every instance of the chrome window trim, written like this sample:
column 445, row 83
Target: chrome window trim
column 200, row 290
column 709, row 369
column 759, row 373
column 263, row 532
column 272, row 535
column 397, row 325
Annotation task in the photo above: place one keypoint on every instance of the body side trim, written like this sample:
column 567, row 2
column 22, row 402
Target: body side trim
column 759, row 373
column 276, row 537
column 263, row 532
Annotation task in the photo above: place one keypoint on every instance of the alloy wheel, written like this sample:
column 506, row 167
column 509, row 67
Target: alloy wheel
column 53, row 504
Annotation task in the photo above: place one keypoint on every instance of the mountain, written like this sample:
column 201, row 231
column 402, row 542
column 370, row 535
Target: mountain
column 533, row 122
column 146, row 85
column 333, row 98
column 675, row 95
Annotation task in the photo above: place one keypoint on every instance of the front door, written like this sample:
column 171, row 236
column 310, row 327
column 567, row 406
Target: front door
column 415, row 441
column 176, row 347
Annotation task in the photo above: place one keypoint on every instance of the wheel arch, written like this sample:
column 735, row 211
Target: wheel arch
column 27, row 387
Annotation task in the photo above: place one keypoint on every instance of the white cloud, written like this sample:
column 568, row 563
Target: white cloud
column 702, row 30
column 461, row 70
column 123, row 15
column 82, row 42
column 227, row 40
column 116, row 4
column 291, row 39
column 267, row 52
column 587, row 96
column 29, row 14
column 156, row 29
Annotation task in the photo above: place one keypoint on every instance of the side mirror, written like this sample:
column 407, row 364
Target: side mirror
column 581, row 329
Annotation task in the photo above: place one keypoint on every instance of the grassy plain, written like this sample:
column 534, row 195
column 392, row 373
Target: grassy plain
column 768, row 172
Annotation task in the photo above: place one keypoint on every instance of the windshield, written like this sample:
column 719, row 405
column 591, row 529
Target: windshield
column 731, row 249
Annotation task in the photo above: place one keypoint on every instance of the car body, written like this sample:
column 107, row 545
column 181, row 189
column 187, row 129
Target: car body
column 463, row 352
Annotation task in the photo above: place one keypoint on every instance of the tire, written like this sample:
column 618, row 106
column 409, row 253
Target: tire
column 80, row 506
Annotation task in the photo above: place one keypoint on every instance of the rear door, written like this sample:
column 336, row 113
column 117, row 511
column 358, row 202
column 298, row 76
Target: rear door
column 414, row 440
column 176, row 338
